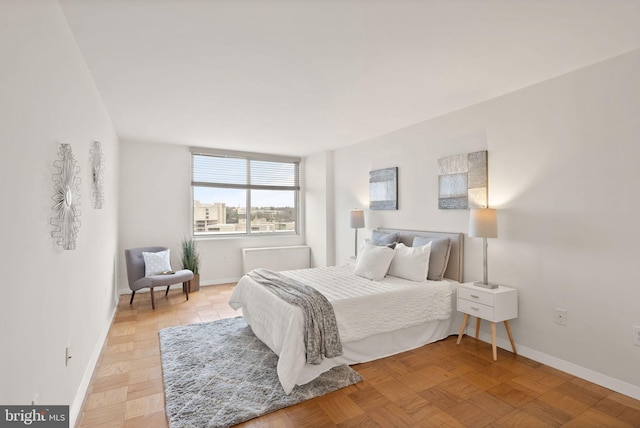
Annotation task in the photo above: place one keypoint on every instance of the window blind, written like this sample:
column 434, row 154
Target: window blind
column 244, row 172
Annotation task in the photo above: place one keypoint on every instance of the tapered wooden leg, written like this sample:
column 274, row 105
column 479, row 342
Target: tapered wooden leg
column 167, row 292
column 493, row 341
column 153, row 299
column 185, row 288
column 478, row 326
column 132, row 294
column 513, row 344
column 464, row 324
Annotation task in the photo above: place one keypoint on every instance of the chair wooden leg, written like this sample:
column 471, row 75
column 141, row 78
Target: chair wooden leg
column 132, row 294
column 185, row 288
column 167, row 292
column 153, row 300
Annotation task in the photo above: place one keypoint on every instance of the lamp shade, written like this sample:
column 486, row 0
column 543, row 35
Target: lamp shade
column 356, row 219
column 483, row 223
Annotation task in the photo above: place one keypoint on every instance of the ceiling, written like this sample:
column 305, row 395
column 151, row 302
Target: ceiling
column 299, row 77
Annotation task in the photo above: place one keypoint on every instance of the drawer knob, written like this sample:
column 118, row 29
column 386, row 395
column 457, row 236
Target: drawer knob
column 474, row 296
column 475, row 309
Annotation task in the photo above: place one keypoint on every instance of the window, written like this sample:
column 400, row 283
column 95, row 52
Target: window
column 244, row 193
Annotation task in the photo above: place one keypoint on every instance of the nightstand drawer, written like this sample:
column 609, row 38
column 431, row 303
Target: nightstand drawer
column 476, row 309
column 475, row 295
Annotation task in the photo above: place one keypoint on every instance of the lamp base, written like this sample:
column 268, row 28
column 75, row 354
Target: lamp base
column 485, row 285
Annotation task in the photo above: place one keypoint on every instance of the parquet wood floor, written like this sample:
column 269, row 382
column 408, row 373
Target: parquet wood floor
column 438, row 385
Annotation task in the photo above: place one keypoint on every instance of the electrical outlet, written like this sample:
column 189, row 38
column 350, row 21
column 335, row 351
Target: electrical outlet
column 560, row 316
column 636, row 335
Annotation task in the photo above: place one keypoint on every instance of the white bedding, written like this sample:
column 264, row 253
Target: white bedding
column 364, row 309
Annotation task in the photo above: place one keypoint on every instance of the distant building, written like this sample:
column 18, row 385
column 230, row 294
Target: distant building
column 211, row 217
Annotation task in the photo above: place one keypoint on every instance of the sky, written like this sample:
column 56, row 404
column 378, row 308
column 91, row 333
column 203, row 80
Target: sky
column 237, row 198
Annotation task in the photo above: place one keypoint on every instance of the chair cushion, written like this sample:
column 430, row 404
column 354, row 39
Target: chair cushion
column 163, row 280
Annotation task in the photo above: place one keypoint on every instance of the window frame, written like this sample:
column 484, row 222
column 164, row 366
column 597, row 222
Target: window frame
column 248, row 157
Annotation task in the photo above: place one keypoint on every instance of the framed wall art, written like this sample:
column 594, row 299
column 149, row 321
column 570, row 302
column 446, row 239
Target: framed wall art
column 383, row 189
column 463, row 181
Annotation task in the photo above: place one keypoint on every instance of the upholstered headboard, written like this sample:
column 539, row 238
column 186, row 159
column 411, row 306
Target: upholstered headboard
column 456, row 256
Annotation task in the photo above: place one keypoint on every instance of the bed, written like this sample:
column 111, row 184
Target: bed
column 375, row 318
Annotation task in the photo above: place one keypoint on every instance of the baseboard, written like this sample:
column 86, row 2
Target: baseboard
column 220, row 281
column 609, row 382
column 76, row 405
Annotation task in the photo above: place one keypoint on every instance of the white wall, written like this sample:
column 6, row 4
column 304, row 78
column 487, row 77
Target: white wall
column 319, row 197
column 155, row 209
column 563, row 171
column 50, row 298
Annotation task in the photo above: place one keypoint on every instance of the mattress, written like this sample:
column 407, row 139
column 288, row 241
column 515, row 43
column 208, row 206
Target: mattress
column 375, row 318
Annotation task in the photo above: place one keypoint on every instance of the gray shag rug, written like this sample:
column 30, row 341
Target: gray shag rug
column 219, row 374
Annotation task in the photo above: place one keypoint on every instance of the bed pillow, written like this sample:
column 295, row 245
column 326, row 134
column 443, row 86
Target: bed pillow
column 368, row 241
column 156, row 263
column 439, row 258
column 373, row 262
column 383, row 238
column 411, row 263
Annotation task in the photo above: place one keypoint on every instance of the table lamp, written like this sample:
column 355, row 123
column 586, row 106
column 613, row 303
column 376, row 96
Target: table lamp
column 483, row 223
column 356, row 221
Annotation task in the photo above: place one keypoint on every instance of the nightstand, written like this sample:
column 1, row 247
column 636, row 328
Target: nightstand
column 495, row 305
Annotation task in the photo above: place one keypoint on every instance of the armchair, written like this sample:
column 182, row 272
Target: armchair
column 137, row 279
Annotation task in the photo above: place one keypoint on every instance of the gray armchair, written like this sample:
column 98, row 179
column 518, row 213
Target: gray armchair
column 136, row 272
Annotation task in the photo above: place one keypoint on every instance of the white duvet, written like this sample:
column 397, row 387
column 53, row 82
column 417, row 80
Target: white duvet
column 363, row 308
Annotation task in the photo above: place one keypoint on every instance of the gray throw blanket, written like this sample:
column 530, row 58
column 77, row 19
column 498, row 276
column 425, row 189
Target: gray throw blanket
column 321, row 335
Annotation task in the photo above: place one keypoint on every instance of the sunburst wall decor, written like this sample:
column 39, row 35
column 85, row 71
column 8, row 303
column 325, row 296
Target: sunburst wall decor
column 66, row 222
column 97, row 170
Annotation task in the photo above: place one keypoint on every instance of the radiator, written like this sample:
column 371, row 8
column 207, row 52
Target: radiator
column 276, row 258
